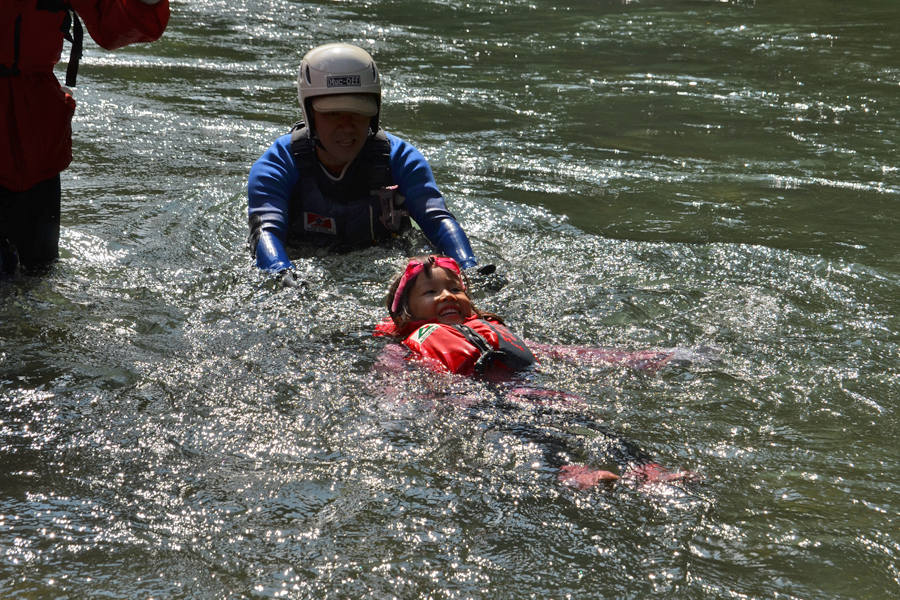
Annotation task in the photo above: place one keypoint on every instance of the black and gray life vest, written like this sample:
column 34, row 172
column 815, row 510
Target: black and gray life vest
column 361, row 209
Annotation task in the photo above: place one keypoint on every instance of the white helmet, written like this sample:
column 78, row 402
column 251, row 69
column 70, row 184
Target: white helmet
column 338, row 69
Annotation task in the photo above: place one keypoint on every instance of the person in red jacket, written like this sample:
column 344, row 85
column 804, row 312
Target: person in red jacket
column 432, row 314
column 36, row 131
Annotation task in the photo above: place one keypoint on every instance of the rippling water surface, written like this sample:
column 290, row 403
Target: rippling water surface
column 647, row 174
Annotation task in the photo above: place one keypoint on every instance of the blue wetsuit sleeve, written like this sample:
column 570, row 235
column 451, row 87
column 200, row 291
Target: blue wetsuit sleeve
column 271, row 255
column 269, row 187
column 425, row 204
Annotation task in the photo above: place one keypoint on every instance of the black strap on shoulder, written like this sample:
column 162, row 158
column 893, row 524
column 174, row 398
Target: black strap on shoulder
column 302, row 149
column 77, row 40
column 488, row 353
column 380, row 175
column 299, row 136
column 12, row 70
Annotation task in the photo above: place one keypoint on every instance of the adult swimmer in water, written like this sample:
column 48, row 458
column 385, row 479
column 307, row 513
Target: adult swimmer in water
column 339, row 181
column 432, row 315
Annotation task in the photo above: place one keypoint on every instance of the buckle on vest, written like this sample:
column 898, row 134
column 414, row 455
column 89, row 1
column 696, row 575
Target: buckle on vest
column 391, row 217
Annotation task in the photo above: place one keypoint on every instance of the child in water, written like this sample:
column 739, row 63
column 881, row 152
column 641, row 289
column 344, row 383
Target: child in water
column 432, row 314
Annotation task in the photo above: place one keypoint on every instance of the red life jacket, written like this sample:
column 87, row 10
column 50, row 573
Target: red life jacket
column 470, row 348
column 36, row 133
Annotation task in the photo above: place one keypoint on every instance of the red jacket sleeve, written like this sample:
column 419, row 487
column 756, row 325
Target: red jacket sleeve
column 117, row 23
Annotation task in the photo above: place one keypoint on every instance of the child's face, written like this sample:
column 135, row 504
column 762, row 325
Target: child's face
column 440, row 297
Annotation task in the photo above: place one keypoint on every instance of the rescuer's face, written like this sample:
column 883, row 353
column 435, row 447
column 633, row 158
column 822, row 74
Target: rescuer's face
column 342, row 135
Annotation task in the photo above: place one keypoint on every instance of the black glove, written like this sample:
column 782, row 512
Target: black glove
column 486, row 278
column 288, row 279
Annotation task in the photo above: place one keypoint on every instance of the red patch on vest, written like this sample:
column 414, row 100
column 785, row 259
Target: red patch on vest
column 319, row 223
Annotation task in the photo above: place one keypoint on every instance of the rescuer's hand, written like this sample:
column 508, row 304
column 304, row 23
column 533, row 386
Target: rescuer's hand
column 289, row 279
column 486, row 278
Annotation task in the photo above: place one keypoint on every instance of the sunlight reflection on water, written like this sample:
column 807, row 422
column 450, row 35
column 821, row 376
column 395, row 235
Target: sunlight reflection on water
column 644, row 175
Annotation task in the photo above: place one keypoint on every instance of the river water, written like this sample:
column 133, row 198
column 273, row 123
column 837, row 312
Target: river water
column 646, row 174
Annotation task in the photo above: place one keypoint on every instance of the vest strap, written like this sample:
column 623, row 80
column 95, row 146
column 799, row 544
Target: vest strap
column 13, row 70
column 488, row 353
column 77, row 41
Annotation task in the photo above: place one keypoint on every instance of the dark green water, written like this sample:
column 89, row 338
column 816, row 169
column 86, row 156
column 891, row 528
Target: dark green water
column 646, row 174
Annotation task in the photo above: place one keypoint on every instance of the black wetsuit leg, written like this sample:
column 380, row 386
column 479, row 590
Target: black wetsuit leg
column 29, row 221
column 564, row 437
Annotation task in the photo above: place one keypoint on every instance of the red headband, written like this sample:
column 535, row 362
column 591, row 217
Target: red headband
column 414, row 267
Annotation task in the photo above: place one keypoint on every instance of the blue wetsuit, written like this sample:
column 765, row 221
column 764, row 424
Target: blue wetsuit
column 274, row 175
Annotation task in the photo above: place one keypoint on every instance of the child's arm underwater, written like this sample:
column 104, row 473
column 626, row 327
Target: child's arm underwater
column 582, row 477
column 641, row 360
